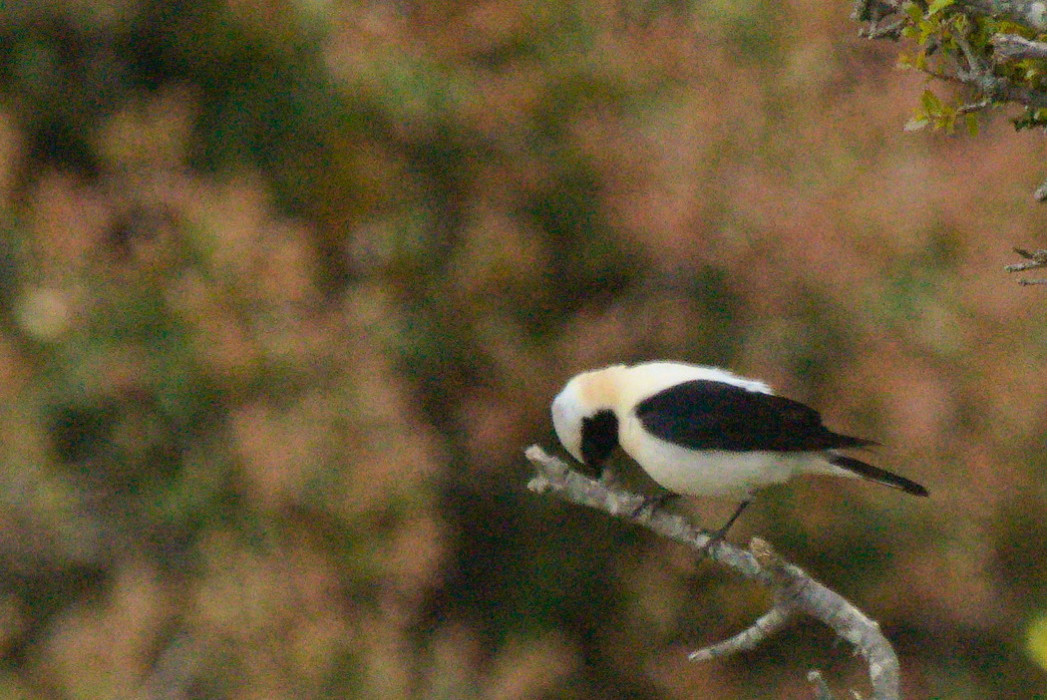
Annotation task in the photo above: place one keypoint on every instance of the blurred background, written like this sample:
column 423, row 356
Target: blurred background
column 287, row 286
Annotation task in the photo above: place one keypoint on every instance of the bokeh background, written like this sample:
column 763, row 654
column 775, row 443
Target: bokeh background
column 286, row 288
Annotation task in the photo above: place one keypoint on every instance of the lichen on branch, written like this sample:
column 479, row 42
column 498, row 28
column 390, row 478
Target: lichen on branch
column 795, row 592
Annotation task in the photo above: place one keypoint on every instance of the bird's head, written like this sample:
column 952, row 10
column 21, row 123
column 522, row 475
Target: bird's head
column 584, row 416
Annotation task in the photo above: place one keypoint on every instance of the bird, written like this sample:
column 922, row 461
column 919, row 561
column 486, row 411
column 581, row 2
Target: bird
column 703, row 431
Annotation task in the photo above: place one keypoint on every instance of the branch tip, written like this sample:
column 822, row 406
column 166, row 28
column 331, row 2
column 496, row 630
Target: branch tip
column 539, row 484
column 821, row 688
column 1036, row 259
column 545, row 462
column 764, row 553
column 794, row 590
column 749, row 638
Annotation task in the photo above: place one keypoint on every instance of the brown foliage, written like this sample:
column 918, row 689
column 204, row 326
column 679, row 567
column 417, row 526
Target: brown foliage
column 263, row 412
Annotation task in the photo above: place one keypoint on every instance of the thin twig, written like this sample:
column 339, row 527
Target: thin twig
column 974, row 106
column 821, row 688
column 873, row 10
column 996, row 88
column 1036, row 259
column 1040, row 195
column 1013, row 47
column 884, row 30
column 794, row 587
column 1031, row 13
column 766, row 625
column 977, row 66
column 794, row 590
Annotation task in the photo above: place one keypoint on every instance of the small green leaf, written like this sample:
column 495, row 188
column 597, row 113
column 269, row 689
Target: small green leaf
column 931, row 104
column 927, row 28
column 1036, row 640
column 947, row 122
column 971, row 122
column 937, row 6
column 916, row 124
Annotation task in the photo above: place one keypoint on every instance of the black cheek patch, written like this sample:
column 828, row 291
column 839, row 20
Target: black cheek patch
column 599, row 438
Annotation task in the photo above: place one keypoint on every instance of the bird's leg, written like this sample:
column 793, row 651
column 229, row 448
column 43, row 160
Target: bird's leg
column 607, row 476
column 720, row 534
column 653, row 503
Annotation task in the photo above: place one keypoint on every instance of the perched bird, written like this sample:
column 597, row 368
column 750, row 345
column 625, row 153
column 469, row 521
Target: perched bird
column 703, row 431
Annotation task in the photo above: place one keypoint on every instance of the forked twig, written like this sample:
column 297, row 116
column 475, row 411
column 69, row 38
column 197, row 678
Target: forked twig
column 1034, row 260
column 794, row 590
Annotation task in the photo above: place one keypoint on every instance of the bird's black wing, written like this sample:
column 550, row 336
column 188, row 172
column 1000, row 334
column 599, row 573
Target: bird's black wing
column 882, row 476
column 711, row 415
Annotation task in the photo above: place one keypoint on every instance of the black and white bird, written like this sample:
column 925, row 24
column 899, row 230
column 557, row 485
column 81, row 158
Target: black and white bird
column 703, row 431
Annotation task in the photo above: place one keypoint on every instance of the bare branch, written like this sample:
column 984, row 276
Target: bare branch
column 793, row 589
column 1036, row 259
column 1040, row 195
column 878, row 14
column 821, row 688
column 764, row 627
column 1012, row 47
column 804, row 593
column 873, row 10
column 977, row 66
column 883, row 30
column 1031, row 13
column 974, row 106
column 998, row 89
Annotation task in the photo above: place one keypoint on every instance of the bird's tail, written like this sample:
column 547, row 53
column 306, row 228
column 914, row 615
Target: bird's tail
column 882, row 476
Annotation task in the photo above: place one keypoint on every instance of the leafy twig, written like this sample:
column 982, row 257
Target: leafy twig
column 1031, row 13
column 1012, row 47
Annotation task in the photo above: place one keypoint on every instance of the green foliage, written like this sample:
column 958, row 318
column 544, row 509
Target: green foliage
column 936, row 6
column 265, row 98
column 953, row 45
column 1031, row 118
column 940, row 115
column 280, row 456
column 1036, row 640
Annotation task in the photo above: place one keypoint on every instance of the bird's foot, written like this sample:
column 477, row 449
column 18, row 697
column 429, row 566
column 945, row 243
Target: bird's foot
column 715, row 539
column 721, row 534
column 652, row 503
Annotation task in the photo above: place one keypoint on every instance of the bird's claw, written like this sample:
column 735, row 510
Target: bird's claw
column 652, row 503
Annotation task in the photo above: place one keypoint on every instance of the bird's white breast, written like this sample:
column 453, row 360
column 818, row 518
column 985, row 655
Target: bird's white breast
column 723, row 473
column 719, row 473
